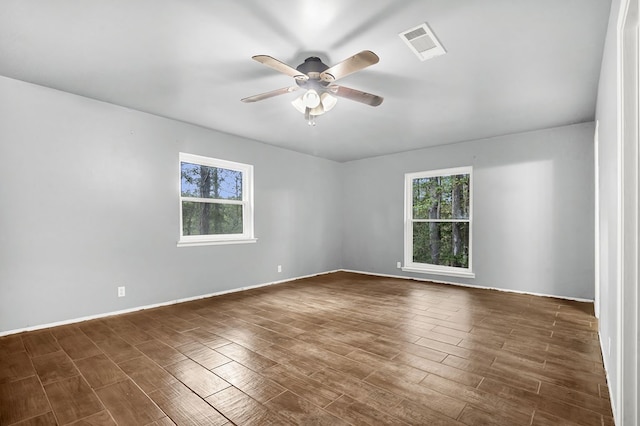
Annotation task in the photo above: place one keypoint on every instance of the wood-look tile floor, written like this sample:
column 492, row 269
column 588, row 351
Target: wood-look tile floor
column 335, row 349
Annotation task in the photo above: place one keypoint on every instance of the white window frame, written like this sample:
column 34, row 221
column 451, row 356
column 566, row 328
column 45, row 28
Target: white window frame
column 247, row 236
column 409, row 264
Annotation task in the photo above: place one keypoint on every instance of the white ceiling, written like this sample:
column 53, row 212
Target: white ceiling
column 511, row 66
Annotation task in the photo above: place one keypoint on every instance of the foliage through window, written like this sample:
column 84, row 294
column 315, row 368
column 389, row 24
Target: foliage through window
column 438, row 221
column 216, row 201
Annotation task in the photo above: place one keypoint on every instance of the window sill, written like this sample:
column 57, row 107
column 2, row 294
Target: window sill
column 216, row 243
column 461, row 274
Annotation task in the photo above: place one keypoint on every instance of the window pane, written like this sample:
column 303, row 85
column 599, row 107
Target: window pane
column 211, row 218
column 441, row 197
column 210, row 182
column 460, row 197
column 441, row 243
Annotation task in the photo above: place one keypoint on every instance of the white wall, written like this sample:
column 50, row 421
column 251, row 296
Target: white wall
column 607, row 116
column 608, row 257
column 618, row 323
column 89, row 199
column 532, row 208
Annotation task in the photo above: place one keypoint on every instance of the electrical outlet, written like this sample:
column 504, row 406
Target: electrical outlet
column 279, row 268
column 399, row 265
column 121, row 291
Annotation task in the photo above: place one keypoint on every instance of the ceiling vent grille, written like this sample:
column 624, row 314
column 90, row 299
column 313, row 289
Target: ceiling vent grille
column 423, row 42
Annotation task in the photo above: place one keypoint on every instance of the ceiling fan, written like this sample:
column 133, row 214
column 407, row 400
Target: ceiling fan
column 319, row 80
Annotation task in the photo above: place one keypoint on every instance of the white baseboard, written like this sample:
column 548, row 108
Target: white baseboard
column 155, row 305
column 235, row 290
column 606, row 372
column 576, row 299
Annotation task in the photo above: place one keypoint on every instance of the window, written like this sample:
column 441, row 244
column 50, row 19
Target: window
column 438, row 220
column 216, row 201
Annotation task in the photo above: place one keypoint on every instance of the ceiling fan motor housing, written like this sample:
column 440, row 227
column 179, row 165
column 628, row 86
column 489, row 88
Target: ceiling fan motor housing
column 312, row 67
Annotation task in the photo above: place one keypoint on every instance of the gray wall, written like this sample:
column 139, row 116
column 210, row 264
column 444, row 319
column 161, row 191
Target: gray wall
column 532, row 206
column 89, row 200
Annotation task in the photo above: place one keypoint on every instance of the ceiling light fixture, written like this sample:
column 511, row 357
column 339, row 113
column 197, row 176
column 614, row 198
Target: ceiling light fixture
column 318, row 81
column 312, row 104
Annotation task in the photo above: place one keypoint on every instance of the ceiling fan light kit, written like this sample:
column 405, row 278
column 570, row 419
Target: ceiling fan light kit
column 318, row 80
column 312, row 105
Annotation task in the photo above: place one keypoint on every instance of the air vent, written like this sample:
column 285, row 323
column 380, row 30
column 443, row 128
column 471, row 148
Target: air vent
column 422, row 42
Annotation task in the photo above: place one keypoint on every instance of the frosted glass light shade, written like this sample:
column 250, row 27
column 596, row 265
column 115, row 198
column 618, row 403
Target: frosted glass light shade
column 311, row 99
column 325, row 102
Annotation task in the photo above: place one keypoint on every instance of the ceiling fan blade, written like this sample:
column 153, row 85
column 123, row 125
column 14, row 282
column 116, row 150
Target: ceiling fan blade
column 355, row 95
column 270, row 94
column 350, row 65
column 280, row 66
